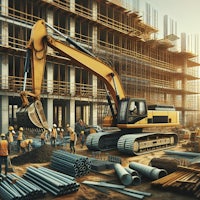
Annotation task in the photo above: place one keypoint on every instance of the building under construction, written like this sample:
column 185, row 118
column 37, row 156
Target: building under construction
column 118, row 36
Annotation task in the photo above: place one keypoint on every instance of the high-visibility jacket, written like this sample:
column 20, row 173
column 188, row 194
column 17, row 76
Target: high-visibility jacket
column 54, row 133
column 3, row 147
column 25, row 143
column 20, row 135
column 10, row 136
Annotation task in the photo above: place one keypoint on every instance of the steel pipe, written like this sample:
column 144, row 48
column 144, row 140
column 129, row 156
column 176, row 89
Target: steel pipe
column 151, row 172
column 124, row 176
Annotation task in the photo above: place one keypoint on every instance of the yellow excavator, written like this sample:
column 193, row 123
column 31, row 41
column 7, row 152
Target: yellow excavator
column 130, row 115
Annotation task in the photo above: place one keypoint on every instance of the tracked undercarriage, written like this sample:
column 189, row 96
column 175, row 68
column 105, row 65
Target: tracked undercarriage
column 132, row 144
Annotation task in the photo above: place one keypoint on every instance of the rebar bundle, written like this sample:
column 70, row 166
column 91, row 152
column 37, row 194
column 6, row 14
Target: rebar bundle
column 72, row 164
column 16, row 188
column 51, row 181
column 185, row 179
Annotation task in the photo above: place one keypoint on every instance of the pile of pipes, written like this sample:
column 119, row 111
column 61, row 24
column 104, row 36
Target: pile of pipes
column 14, row 187
column 152, row 173
column 126, row 175
column 51, row 181
column 72, row 164
column 185, row 180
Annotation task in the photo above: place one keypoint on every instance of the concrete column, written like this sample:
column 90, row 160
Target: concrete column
column 49, row 101
column 4, row 29
column 49, row 20
column 70, row 112
column 4, row 114
column 94, row 10
column 72, row 5
column 4, row 71
column 49, row 105
column 72, row 81
column 93, row 113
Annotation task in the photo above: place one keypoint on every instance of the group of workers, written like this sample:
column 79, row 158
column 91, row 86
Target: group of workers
column 6, row 140
column 77, row 134
column 6, row 145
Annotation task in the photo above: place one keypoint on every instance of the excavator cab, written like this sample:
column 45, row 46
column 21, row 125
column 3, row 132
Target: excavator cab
column 131, row 110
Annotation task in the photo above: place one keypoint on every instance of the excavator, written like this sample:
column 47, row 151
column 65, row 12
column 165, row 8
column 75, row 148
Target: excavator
column 129, row 115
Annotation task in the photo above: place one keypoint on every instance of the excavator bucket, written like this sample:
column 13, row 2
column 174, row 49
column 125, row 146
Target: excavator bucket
column 32, row 116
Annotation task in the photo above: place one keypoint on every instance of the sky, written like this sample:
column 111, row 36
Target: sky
column 185, row 12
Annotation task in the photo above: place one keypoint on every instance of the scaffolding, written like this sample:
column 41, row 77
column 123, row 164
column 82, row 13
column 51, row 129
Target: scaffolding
column 147, row 67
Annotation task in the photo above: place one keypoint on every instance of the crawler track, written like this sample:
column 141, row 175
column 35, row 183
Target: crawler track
column 132, row 144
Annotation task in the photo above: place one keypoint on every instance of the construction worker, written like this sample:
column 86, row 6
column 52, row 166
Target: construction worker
column 10, row 137
column 61, row 134
column 20, row 137
column 79, row 126
column 73, row 138
column 26, row 145
column 43, row 136
column 53, row 135
column 4, row 153
column 82, row 137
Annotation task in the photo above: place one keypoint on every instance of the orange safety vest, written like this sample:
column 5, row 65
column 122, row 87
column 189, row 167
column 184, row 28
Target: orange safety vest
column 24, row 143
column 3, row 148
column 20, row 135
column 54, row 133
column 10, row 136
column 72, row 136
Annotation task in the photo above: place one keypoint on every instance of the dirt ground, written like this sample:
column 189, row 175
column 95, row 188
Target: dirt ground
column 87, row 193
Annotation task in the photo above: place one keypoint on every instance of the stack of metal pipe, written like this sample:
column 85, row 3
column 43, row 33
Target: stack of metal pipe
column 72, row 164
column 14, row 187
column 152, row 173
column 126, row 175
column 51, row 181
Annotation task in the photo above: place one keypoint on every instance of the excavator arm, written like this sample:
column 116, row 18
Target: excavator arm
column 39, row 40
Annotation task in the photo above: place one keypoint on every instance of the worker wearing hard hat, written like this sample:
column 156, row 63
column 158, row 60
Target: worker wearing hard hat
column 53, row 135
column 10, row 137
column 26, row 145
column 3, row 153
column 73, row 138
column 20, row 137
column 43, row 136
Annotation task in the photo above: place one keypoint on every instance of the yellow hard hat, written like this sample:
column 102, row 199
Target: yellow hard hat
column 10, row 128
column 3, row 135
column 21, row 129
column 30, row 141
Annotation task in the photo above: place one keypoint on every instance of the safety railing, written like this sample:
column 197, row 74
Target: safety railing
column 58, row 88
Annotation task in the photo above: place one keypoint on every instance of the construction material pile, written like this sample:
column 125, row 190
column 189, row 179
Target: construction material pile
column 51, row 181
column 14, row 187
column 38, row 155
column 184, row 180
column 71, row 164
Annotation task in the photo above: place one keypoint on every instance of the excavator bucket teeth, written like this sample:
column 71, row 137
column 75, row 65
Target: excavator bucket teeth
column 32, row 116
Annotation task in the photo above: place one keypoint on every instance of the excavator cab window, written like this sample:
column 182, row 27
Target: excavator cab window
column 132, row 110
